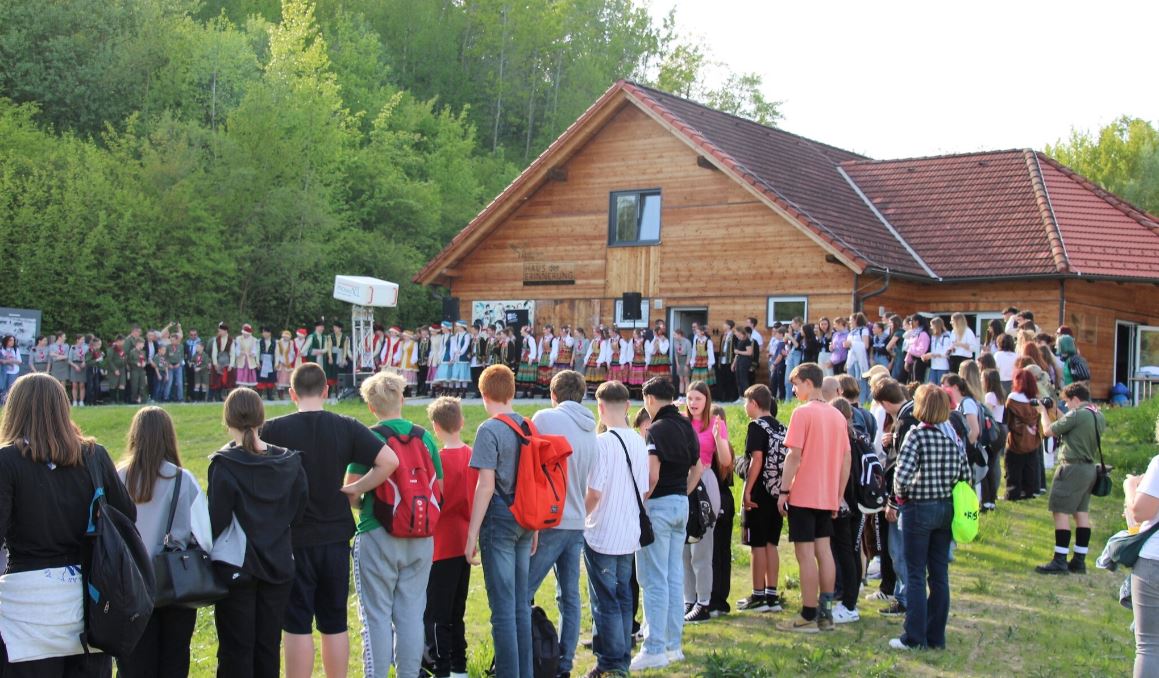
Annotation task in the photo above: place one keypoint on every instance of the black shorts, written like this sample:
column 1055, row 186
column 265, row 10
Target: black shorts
column 762, row 525
column 809, row 524
column 321, row 589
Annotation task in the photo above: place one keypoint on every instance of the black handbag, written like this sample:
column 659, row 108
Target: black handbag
column 647, row 536
column 184, row 577
column 1102, row 485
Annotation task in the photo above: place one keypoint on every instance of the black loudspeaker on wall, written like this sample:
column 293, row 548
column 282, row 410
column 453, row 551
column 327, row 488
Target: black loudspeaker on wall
column 450, row 309
column 631, row 306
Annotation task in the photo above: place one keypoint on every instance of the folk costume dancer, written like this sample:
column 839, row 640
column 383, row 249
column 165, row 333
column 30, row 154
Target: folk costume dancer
column 267, row 364
column 443, row 359
column 409, row 360
column 702, row 359
column 285, row 355
column 562, row 350
column 594, row 371
column 318, row 348
column 497, row 347
column 340, row 357
column 625, row 359
column 659, row 364
column 245, row 357
column 461, row 369
column 639, row 369
column 370, row 348
column 423, row 361
column 389, row 358
column 301, row 353
column 543, row 373
column 512, row 349
column 480, row 340
column 526, row 377
column 221, row 376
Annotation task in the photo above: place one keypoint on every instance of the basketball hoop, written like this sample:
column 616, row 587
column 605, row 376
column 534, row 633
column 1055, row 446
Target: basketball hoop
column 364, row 294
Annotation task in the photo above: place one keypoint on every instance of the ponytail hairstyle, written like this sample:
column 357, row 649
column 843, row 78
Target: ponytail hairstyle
column 245, row 412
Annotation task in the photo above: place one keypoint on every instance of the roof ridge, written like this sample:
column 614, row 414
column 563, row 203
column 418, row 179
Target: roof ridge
column 1145, row 218
column 1046, row 211
column 940, row 156
column 881, row 217
column 771, row 128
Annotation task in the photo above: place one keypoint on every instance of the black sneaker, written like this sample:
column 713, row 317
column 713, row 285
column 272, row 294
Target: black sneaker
column 895, row 609
column 753, row 603
column 698, row 613
column 1077, row 565
column 687, row 608
column 775, row 602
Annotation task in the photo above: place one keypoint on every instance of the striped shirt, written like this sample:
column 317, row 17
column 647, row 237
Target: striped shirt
column 929, row 465
column 612, row 528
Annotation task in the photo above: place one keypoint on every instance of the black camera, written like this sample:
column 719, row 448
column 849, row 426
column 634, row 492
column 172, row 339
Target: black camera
column 1048, row 403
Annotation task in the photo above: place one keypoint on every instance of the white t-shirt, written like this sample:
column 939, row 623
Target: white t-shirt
column 969, row 339
column 1150, row 485
column 1005, row 361
column 941, row 345
column 612, row 528
column 997, row 409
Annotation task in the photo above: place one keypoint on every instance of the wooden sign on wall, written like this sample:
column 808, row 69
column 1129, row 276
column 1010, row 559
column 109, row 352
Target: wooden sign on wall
column 540, row 273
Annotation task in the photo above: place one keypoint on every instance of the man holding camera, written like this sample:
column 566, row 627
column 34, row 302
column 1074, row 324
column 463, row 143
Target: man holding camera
column 1078, row 431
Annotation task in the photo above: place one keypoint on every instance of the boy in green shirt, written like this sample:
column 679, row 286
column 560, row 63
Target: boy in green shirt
column 138, row 384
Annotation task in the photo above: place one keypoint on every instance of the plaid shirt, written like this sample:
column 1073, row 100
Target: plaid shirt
column 928, row 466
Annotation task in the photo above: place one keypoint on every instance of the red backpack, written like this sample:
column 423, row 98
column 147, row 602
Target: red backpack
column 407, row 504
column 540, row 478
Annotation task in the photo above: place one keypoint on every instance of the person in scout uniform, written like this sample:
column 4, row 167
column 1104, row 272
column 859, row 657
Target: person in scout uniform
column 137, row 359
column 78, row 372
column 245, row 357
column 58, row 359
column 38, row 358
column 199, row 365
column 284, row 358
column 117, row 366
column 267, row 371
column 340, row 357
column 96, row 370
column 160, row 362
column 220, row 363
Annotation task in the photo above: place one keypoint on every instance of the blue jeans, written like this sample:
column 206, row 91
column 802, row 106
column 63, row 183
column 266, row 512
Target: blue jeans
column 505, row 549
column 610, row 593
column 897, row 555
column 899, row 371
column 935, row 376
column 660, row 570
column 175, row 384
column 926, row 533
column 160, row 387
column 560, row 550
column 6, row 382
column 792, row 361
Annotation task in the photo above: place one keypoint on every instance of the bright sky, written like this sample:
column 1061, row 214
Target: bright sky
column 899, row 79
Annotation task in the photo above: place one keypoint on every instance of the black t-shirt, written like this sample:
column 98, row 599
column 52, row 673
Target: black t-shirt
column 672, row 440
column 44, row 509
column 758, row 440
column 743, row 345
column 329, row 443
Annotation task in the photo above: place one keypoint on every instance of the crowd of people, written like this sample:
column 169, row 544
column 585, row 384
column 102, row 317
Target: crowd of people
column 275, row 516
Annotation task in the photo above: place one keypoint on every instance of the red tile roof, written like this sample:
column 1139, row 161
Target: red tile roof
column 993, row 214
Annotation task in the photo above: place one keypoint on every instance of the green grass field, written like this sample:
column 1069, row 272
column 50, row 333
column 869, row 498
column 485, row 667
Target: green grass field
column 1004, row 619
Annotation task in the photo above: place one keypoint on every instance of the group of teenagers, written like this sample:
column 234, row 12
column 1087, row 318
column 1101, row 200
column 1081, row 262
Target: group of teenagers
column 276, row 514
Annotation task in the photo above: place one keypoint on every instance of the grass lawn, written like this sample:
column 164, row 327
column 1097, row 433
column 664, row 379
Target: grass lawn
column 1004, row 619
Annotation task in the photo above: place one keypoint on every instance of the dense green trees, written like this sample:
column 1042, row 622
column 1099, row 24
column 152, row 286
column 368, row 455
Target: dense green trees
column 214, row 159
column 1123, row 158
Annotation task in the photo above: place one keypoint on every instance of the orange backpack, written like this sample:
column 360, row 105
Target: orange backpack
column 540, row 478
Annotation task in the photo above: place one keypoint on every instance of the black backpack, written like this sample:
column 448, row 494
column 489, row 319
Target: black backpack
column 545, row 652
column 118, row 577
column 869, row 475
column 1079, row 369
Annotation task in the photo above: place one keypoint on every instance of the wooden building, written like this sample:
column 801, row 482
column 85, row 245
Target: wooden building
column 712, row 217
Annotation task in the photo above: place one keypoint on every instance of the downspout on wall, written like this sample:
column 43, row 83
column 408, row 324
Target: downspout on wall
column 859, row 301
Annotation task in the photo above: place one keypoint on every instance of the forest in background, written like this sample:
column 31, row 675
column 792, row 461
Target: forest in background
column 177, row 159
column 224, row 159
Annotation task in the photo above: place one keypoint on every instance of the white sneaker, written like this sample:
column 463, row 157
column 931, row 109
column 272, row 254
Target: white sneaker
column 878, row 595
column 873, row 571
column 897, row 644
column 843, row 615
column 674, row 656
column 647, row 660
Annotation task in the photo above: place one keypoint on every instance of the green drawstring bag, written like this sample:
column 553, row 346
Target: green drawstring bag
column 965, row 525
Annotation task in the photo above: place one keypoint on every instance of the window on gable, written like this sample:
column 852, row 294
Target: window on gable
column 784, row 309
column 634, row 218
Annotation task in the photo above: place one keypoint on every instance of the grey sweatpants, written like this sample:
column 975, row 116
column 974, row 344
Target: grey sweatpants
column 1145, row 606
column 390, row 578
column 698, row 556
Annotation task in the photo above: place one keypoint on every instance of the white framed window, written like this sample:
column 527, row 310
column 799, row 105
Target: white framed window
column 632, row 324
column 784, row 309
